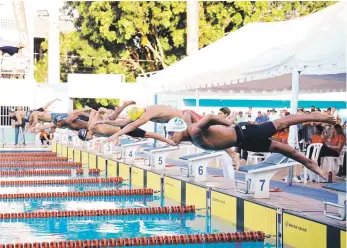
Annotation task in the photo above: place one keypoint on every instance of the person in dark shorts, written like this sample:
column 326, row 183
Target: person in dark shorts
column 216, row 133
column 95, row 128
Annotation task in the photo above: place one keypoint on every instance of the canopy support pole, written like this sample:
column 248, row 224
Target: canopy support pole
column 197, row 96
column 293, row 130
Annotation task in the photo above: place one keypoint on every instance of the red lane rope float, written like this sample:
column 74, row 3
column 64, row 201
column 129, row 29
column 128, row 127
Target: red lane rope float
column 57, row 164
column 25, row 159
column 47, row 172
column 28, row 154
column 62, row 181
column 149, row 241
column 121, row 192
column 100, row 212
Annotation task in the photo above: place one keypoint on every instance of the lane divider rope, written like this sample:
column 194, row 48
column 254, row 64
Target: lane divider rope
column 27, row 159
column 62, row 181
column 101, row 212
column 120, row 192
column 47, row 172
column 236, row 237
column 40, row 165
column 28, row 154
column 96, row 199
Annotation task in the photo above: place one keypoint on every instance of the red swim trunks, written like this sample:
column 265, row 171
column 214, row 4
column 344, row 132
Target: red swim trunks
column 194, row 113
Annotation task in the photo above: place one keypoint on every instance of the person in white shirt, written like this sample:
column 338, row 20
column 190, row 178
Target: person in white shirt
column 334, row 112
column 240, row 118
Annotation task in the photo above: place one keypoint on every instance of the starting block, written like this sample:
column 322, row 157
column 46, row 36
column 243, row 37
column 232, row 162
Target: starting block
column 159, row 154
column 106, row 148
column 76, row 142
column 129, row 148
column 340, row 188
column 197, row 164
column 258, row 176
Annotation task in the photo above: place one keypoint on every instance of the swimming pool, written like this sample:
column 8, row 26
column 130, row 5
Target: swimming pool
column 55, row 213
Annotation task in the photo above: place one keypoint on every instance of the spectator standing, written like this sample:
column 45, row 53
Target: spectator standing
column 18, row 123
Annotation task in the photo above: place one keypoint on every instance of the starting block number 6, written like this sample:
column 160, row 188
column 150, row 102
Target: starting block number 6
column 200, row 170
column 130, row 153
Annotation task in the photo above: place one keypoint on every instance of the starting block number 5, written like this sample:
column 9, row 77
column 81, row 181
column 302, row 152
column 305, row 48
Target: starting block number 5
column 160, row 160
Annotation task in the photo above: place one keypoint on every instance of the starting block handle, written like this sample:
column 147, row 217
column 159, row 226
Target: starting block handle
column 246, row 191
column 342, row 214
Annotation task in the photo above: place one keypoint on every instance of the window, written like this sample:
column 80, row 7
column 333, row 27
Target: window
column 5, row 119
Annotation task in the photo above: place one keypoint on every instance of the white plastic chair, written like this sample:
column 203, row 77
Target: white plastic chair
column 334, row 162
column 315, row 147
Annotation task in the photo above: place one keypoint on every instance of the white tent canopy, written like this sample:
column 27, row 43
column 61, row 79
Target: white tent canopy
column 260, row 56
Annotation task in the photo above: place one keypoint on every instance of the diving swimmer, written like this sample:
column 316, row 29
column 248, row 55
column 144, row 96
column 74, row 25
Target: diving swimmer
column 215, row 133
column 155, row 113
column 95, row 128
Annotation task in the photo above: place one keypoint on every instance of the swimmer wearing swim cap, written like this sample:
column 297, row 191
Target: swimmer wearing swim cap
column 135, row 112
column 155, row 113
column 214, row 132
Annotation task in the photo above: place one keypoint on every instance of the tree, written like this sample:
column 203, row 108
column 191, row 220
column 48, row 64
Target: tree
column 134, row 37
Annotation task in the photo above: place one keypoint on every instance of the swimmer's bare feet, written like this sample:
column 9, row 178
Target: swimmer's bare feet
column 324, row 117
column 129, row 102
column 311, row 165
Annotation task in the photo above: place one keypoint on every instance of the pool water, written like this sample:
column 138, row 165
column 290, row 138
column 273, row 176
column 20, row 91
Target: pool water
column 98, row 227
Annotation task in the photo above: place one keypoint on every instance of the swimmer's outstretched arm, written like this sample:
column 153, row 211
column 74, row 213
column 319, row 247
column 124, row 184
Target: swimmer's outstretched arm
column 210, row 120
column 130, row 127
column 43, row 127
column 159, row 137
column 234, row 157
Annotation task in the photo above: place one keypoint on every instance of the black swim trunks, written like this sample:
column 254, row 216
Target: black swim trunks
column 137, row 133
column 255, row 138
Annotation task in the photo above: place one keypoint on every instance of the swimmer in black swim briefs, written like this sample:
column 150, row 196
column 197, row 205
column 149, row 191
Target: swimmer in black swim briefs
column 213, row 132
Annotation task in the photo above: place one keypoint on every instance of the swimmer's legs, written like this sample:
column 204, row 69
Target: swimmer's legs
column 290, row 152
column 294, row 119
column 119, row 110
column 50, row 103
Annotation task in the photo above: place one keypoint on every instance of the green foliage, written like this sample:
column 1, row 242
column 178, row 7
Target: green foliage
column 96, row 103
column 134, row 37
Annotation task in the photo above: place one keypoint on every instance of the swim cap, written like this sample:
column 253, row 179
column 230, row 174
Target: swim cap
column 135, row 112
column 176, row 125
column 57, row 119
column 82, row 134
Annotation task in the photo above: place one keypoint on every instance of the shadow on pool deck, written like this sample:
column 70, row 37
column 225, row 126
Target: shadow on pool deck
column 313, row 193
